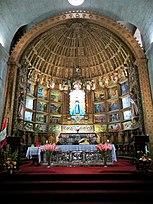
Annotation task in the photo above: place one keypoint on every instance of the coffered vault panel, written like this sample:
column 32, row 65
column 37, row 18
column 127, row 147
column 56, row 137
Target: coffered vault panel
column 76, row 42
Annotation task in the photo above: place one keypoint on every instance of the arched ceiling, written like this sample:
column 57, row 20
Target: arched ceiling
column 14, row 14
column 60, row 50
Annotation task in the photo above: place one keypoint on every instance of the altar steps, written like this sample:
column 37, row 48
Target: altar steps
column 128, row 187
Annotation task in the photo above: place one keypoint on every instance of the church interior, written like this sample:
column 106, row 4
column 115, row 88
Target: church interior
column 76, row 76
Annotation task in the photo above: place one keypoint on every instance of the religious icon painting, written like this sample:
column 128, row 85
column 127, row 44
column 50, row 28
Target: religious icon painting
column 55, row 96
column 100, row 119
column 28, row 126
column 126, row 102
column 127, row 115
column 30, row 89
column 40, row 118
column 28, row 116
column 55, row 108
column 99, row 107
column 29, row 103
column 114, row 127
column 55, row 119
column 124, row 88
column 41, row 106
column 113, row 105
column 100, row 128
column 41, row 128
column 42, row 92
column 114, row 117
column 77, row 103
column 99, row 95
column 127, row 125
column 113, row 92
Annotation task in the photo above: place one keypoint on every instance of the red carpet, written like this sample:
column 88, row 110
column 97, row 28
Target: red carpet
column 121, row 166
column 118, row 183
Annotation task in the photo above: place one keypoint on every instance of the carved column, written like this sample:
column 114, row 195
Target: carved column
column 19, row 101
column 136, row 100
column 147, row 105
column 10, row 91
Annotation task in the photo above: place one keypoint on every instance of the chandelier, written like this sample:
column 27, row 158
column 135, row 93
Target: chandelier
column 76, row 2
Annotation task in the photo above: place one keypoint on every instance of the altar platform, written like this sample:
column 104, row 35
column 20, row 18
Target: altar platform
column 72, row 155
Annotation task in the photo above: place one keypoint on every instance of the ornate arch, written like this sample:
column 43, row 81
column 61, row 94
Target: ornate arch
column 111, row 25
column 44, row 25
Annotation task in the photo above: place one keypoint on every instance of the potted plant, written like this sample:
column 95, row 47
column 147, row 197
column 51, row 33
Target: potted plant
column 10, row 162
column 143, row 163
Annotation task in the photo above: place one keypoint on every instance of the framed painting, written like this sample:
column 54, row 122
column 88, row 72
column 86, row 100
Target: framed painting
column 55, row 96
column 100, row 128
column 114, row 127
column 28, row 126
column 41, row 106
column 127, row 115
column 99, row 95
column 30, row 89
column 40, row 118
column 42, row 92
column 41, row 128
column 99, row 107
column 113, row 105
column 114, row 117
column 127, row 125
column 113, row 92
column 126, row 102
column 55, row 119
column 124, row 88
column 29, row 103
column 55, row 108
column 28, row 116
column 100, row 119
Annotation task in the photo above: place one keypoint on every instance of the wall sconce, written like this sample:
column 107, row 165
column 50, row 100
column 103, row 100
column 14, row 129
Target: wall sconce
column 64, row 86
column 51, row 83
column 91, row 85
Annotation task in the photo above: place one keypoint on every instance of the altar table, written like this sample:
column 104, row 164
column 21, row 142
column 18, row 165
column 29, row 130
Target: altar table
column 68, row 153
column 85, row 148
column 31, row 151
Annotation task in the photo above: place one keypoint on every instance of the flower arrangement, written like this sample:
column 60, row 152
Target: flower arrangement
column 104, row 150
column 145, row 158
column 143, row 162
column 38, row 144
column 50, row 149
column 10, row 164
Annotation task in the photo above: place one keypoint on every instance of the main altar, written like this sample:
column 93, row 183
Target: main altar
column 72, row 155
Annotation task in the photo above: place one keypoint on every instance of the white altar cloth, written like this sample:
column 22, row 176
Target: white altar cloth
column 31, row 151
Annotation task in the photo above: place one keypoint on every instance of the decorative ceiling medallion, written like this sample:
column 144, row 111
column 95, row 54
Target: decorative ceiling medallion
column 76, row 2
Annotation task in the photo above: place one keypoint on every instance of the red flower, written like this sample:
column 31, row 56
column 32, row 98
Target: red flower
column 38, row 144
column 50, row 148
column 104, row 147
column 107, row 146
column 100, row 147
